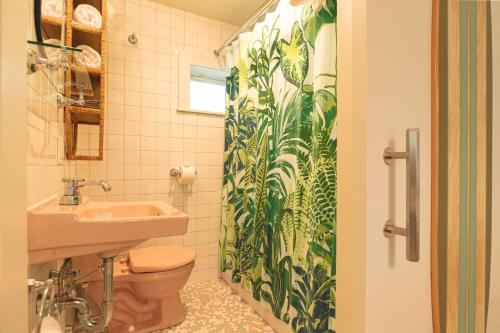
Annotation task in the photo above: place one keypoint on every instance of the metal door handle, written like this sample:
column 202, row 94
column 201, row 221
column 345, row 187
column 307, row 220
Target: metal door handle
column 412, row 230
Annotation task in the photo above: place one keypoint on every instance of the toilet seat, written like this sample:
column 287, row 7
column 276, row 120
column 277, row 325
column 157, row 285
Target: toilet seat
column 159, row 259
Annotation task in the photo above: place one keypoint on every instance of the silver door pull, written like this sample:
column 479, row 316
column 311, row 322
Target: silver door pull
column 412, row 230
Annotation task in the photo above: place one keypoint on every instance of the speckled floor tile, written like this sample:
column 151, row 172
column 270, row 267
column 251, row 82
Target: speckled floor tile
column 211, row 307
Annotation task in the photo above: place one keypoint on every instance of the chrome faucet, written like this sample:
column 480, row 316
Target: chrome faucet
column 72, row 185
column 102, row 183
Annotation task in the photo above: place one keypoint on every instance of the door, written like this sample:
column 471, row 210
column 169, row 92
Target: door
column 399, row 85
column 384, row 89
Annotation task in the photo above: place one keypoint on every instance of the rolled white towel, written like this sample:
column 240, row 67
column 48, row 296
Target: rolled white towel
column 89, row 57
column 88, row 15
column 52, row 8
column 53, row 53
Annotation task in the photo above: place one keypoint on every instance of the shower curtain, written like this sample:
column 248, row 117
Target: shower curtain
column 278, row 232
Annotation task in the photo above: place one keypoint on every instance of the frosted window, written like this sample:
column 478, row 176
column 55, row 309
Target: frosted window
column 207, row 96
column 207, row 91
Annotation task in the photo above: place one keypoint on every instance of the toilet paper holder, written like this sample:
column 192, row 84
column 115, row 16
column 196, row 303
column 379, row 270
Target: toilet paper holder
column 174, row 172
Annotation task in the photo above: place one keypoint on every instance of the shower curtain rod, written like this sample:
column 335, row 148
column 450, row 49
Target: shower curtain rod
column 263, row 9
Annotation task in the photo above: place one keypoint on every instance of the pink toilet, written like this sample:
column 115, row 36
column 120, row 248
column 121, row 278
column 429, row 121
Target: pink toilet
column 146, row 287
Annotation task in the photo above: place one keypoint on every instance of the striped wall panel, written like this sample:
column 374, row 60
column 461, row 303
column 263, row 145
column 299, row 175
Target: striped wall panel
column 459, row 192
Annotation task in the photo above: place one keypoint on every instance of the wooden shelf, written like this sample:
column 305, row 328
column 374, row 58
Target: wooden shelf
column 52, row 20
column 87, row 116
column 86, row 28
column 87, row 158
column 80, row 37
column 51, row 27
column 90, row 70
column 80, row 34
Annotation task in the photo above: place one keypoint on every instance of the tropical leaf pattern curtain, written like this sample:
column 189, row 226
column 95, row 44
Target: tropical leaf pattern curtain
column 278, row 233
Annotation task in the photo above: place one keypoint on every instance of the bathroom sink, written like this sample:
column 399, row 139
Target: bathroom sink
column 120, row 212
column 105, row 228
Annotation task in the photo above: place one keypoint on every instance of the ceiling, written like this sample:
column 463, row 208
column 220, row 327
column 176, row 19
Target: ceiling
column 230, row 11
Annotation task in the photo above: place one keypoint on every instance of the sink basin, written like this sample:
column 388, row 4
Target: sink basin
column 120, row 211
column 105, row 228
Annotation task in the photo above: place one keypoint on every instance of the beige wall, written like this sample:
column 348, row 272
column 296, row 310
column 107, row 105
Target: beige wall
column 146, row 136
column 384, row 53
column 493, row 324
column 398, row 292
column 351, row 205
column 13, row 256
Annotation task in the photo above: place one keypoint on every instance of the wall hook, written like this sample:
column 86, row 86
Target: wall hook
column 132, row 38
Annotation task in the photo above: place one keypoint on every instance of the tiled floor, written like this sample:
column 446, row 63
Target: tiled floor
column 211, row 307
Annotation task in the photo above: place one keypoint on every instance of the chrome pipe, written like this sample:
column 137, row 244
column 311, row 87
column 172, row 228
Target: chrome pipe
column 86, row 321
column 76, row 303
column 49, row 285
column 107, row 302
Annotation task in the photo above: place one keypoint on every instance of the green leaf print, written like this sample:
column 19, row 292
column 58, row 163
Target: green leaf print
column 294, row 57
column 312, row 21
column 326, row 104
column 278, row 224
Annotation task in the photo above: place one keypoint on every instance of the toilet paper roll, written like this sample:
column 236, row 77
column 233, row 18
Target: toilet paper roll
column 50, row 325
column 187, row 174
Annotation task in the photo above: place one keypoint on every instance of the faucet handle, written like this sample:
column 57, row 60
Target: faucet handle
column 72, row 194
column 74, row 181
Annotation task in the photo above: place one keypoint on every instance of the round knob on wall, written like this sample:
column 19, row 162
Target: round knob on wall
column 132, row 38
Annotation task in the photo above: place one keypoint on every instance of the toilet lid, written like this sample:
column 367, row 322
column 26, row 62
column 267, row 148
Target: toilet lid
column 160, row 258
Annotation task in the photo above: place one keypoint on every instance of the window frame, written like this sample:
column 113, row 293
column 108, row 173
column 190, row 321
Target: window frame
column 185, row 62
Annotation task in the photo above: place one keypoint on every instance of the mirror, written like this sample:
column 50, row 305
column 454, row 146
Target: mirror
column 465, row 244
column 49, row 21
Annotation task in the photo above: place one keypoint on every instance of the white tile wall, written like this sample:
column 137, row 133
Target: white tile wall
column 45, row 158
column 146, row 136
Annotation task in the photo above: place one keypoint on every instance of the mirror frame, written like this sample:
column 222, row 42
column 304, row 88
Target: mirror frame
column 37, row 16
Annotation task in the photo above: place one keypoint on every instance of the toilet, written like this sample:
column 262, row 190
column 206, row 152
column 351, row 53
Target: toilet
column 146, row 287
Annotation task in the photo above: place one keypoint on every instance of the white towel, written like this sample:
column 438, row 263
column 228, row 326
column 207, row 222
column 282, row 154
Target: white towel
column 50, row 325
column 88, row 58
column 52, row 8
column 53, row 53
column 88, row 15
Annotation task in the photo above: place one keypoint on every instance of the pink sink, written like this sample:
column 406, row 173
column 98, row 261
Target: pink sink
column 106, row 228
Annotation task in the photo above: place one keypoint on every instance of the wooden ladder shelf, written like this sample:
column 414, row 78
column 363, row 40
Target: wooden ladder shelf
column 75, row 115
